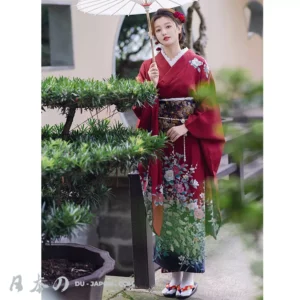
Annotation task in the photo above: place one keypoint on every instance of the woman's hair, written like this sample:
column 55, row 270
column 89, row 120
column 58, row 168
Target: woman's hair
column 169, row 13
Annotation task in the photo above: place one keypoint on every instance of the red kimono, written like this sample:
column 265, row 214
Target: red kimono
column 179, row 190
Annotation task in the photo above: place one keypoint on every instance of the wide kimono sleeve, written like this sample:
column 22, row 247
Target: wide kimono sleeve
column 143, row 113
column 148, row 120
column 206, row 123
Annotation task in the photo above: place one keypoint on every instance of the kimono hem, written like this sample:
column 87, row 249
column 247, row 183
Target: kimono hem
column 180, row 191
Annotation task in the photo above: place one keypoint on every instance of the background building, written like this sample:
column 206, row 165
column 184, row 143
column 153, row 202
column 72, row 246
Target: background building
column 75, row 44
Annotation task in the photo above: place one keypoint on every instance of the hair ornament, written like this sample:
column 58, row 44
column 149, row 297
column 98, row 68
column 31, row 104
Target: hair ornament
column 178, row 15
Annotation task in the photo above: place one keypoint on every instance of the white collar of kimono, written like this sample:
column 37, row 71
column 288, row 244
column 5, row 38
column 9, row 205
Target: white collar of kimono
column 173, row 61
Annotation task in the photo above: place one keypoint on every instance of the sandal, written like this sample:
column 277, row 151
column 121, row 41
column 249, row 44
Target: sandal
column 186, row 291
column 170, row 291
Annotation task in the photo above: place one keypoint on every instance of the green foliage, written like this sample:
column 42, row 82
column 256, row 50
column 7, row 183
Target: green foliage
column 93, row 130
column 52, row 131
column 250, row 139
column 254, row 189
column 247, row 212
column 62, row 221
column 133, row 36
column 204, row 93
column 236, row 81
column 62, row 92
column 94, row 155
column 236, row 90
column 76, row 170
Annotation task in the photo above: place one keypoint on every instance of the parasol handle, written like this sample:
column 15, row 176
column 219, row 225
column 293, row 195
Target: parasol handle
column 150, row 32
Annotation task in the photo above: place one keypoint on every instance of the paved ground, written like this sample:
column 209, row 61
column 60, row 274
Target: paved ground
column 228, row 275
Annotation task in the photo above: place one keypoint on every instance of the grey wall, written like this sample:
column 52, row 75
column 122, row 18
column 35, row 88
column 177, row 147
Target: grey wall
column 60, row 33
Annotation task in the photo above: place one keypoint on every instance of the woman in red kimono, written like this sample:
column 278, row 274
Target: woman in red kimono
column 179, row 189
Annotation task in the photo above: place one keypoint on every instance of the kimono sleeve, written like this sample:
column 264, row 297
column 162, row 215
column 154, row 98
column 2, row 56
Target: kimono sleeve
column 143, row 113
column 141, row 77
column 206, row 123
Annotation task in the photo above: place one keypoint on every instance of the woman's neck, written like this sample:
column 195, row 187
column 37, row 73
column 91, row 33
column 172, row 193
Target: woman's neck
column 172, row 50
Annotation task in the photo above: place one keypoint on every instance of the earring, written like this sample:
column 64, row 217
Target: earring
column 157, row 42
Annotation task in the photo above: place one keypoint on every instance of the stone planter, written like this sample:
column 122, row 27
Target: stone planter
column 88, row 287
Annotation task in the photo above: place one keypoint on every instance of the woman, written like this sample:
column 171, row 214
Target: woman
column 178, row 190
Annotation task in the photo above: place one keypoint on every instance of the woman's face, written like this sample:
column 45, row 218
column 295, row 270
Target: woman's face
column 166, row 31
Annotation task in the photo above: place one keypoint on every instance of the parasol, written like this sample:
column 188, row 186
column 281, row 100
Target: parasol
column 128, row 7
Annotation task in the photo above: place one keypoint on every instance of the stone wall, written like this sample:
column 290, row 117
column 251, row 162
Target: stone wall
column 114, row 228
column 111, row 230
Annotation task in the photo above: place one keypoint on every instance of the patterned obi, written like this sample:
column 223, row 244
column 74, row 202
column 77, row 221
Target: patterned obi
column 174, row 112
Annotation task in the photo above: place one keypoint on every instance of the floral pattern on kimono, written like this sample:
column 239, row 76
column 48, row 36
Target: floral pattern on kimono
column 190, row 211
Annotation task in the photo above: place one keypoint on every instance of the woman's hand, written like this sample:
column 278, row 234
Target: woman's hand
column 176, row 132
column 153, row 73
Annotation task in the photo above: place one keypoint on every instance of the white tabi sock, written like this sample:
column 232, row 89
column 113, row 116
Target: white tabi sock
column 176, row 278
column 187, row 279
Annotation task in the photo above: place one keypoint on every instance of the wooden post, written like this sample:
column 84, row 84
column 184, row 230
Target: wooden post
column 142, row 238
